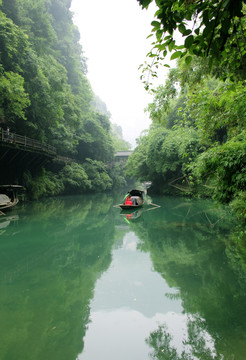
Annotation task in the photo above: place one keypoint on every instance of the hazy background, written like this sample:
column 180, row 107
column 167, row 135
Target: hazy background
column 113, row 36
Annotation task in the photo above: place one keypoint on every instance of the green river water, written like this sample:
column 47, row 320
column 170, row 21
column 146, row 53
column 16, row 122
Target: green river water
column 81, row 280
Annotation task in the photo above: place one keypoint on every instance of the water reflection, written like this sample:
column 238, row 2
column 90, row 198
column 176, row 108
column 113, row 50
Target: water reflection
column 188, row 243
column 194, row 343
column 47, row 276
column 78, row 281
column 134, row 214
column 131, row 215
column 5, row 221
column 129, row 301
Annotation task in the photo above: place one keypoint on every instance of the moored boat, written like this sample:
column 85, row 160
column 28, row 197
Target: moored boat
column 8, row 196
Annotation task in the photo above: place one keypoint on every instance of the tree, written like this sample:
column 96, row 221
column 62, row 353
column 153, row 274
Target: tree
column 163, row 156
column 13, row 98
column 136, row 166
column 98, row 175
column 118, row 140
column 45, row 94
column 164, row 94
column 75, row 178
column 95, row 141
column 217, row 109
column 222, row 168
column 211, row 28
column 14, row 45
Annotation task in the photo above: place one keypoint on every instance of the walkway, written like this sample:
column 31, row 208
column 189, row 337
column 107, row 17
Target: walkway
column 22, row 142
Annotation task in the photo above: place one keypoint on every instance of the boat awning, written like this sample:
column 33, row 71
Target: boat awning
column 136, row 193
column 4, row 199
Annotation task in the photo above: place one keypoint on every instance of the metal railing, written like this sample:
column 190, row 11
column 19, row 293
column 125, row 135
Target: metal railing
column 27, row 143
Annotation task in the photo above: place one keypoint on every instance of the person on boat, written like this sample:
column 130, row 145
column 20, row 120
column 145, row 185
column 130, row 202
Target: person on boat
column 128, row 200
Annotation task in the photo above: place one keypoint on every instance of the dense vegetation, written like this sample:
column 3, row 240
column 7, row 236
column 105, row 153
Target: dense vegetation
column 45, row 95
column 197, row 140
column 209, row 28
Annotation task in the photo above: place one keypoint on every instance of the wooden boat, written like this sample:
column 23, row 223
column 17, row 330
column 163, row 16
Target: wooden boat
column 136, row 197
column 8, row 196
column 6, row 203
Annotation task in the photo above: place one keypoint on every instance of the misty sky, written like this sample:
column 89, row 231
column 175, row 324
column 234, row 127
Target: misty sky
column 113, row 36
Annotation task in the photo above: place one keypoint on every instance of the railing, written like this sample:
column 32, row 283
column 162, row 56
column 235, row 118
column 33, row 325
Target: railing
column 27, row 143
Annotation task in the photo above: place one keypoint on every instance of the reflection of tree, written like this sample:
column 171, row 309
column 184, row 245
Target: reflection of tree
column 236, row 253
column 47, row 276
column 160, row 341
column 201, row 261
column 195, row 345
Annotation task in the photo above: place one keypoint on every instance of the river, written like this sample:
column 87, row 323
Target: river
column 80, row 280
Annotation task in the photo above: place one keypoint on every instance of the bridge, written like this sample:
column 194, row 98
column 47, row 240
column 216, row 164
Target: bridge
column 9, row 139
column 20, row 153
column 122, row 156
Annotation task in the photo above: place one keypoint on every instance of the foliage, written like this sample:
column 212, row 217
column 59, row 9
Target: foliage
column 238, row 205
column 136, row 166
column 41, row 185
column 100, row 106
column 98, row 175
column 164, row 94
column 163, row 156
column 209, row 28
column 116, row 173
column 14, row 45
column 75, row 178
column 94, row 139
column 212, row 109
column 44, row 91
column 13, row 98
column 118, row 140
column 216, row 109
column 223, row 167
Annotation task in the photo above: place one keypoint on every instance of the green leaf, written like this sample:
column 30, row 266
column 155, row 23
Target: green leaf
column 145, row 3
column 160, row 47
column 188, row 59
column 171, row 45
column 187, row 32
column 176, row 55
column 189, row 41
column 182, row 28
column 159, row 34
column 156, row 24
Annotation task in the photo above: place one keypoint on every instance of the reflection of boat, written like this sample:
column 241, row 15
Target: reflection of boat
column 133, row 200
column 132, row 214
column 5, row 221
column 8, row 196
column 135, row 213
